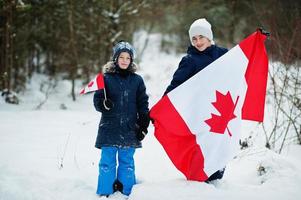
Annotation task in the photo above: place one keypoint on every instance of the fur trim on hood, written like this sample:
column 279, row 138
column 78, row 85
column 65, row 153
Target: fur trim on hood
column 111, row 68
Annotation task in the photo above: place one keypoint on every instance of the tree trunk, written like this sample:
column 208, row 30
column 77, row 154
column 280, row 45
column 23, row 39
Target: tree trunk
column 7, row 52
column 233, row 21
column 72, row 48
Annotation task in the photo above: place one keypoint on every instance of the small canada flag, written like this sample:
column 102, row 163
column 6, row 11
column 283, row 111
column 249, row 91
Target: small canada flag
column 96, row 84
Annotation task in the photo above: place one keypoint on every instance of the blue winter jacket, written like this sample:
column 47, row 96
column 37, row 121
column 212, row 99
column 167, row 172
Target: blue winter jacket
column 194, row 62
column 117, row 126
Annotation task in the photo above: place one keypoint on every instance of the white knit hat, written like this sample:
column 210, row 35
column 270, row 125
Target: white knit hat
column 201, row 27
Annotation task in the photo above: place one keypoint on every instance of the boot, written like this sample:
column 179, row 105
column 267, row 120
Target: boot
column 117, row 186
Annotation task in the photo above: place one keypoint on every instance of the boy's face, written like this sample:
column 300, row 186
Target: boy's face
column 200, row 42
column 124, row 60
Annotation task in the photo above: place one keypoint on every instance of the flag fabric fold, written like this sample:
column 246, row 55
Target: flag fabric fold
column 198, row 123
column 96, row 84
column 256, row 76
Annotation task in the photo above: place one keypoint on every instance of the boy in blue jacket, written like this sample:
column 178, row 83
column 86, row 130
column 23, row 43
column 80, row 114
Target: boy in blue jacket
column 200, row 54
column 124, row 121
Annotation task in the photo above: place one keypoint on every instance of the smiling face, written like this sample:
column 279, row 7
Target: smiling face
column 200, row 42
column 124, row 60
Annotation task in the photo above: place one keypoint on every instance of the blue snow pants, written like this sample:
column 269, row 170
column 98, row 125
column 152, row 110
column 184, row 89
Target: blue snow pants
column 107, row 170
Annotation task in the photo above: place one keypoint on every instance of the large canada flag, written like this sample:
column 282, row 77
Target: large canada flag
column 198, row 123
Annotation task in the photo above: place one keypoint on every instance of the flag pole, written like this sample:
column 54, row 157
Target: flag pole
column 105, row 93
column 104, row 88
column 264, row 32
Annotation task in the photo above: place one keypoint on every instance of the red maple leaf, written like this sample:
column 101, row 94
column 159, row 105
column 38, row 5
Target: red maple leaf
column 225, row 105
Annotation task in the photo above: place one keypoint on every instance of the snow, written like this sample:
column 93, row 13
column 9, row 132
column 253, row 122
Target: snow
column 48, row 153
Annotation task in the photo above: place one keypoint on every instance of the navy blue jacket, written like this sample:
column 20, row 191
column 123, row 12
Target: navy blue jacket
column 194, row 62
column 117, row 126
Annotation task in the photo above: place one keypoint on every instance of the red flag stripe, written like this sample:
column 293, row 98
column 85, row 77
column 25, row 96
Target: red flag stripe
column 178, row 141
column 256, row 76
column 100, row 81
column 82, row 91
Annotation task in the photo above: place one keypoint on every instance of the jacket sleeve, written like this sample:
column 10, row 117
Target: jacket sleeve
column 98, row 100
column 184, row 72
column 142, row 98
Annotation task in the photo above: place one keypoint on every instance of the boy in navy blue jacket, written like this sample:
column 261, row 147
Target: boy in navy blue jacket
column 123, row 123
column 200, row 54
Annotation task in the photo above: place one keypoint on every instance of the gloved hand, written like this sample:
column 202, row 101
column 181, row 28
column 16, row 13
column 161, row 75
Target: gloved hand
column 108, row 104
column 140, row 132
column 144, row 120
column 141, row 126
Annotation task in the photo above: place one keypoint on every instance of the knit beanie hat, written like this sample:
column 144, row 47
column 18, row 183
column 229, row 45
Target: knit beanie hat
column 123, row 46
column 200, row 27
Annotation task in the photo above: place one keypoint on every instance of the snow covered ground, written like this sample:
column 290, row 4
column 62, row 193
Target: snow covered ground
column 49, row 154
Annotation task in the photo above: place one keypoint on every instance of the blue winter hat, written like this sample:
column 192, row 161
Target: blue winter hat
column 123, row 46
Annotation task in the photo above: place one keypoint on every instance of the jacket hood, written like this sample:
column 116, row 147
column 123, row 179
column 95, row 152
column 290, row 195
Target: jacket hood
column 110, row 67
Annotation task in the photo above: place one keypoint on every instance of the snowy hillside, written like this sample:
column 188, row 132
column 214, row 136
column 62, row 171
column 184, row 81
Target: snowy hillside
column 48, row 153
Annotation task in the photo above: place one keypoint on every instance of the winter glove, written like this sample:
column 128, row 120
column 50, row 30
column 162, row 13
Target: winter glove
column 141, row 127
column 140, row 132
column 108, row 104
column 144, row 120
